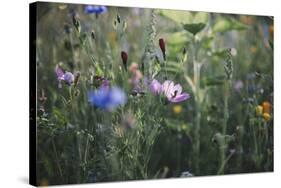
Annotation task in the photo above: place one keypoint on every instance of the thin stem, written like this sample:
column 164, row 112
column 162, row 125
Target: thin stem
column 57, row 160
column 196, row 78
column 224, row 125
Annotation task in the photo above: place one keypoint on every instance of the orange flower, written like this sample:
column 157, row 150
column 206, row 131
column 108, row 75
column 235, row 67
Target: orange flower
column 266, row 116
column 266, row 107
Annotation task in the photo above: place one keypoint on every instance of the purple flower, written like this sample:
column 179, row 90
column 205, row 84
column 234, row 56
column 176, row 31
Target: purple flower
column 155, row 87
column 68, row 77
column 169, row 89
column 238, row 85
column 90, row 9
column 174, row 92
column 107, row 99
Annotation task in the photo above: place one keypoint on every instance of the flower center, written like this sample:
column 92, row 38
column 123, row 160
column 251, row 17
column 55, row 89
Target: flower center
column 175, row 94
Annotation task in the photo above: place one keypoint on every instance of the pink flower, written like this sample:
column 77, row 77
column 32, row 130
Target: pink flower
column 68, row 77
column 169, row 89
column 174, row 92
column 155, row 87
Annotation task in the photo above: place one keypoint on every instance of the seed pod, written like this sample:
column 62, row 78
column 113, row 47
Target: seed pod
column 93, row 35
column 76, row 24
column 76, row 79
column 184, row 55
column 124, row 57
column 118, row 18
column 162, row 47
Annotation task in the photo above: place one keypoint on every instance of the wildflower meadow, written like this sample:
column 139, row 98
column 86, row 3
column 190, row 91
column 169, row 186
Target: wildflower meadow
column 129, row 93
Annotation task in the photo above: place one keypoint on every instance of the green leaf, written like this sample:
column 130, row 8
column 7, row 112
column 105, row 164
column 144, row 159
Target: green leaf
column 184, row 17
column 194, row 28
column 220, row 53
column 228, row 24
column 177, row 16
column 177, row 38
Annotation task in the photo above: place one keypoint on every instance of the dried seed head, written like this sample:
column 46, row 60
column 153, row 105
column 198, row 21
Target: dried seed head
column 76, row 79
column 118, row 18
column 228, row 65
column 76, row 24
column 93, row 35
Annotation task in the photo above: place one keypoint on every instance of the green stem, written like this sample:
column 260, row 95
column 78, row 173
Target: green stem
column 224, row 126
column 197, row 90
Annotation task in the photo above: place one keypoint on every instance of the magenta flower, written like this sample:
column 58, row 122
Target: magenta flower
column 174, row 92
column 67, row 77
column 155, row 87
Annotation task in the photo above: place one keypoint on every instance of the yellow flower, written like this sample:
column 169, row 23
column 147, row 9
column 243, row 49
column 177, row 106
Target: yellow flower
column 259, row 110
column 266, row 107
column 177, row 109
column 266, row 116
column 253, row 49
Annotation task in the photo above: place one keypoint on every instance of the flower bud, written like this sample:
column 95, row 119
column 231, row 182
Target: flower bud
column 76, row 79
column 124, row 57
column 162, row 47
column 93, row 35
column 76, row 24
column 118, row 18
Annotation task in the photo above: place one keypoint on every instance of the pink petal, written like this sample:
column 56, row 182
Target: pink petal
column 59, row 72
column 155, row 87
column 179, row 98
column 178, row 88
column 167, row 88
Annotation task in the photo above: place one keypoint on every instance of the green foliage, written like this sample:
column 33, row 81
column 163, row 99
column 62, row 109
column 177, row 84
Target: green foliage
column 216, row 131
column 194, row 28
column 224, row 24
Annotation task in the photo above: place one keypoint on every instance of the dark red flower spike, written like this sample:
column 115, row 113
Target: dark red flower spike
column 124, row 57
column 162, row 47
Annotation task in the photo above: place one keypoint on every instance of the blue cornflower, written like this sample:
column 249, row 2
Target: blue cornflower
column 97, row 9
column 107, row 99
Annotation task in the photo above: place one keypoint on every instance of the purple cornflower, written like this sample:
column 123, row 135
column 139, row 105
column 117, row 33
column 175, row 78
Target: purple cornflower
column 155, row 87
column 97, row 9
column 67, row 77
column 174, row 92
column 107, row 99
column 170, row 90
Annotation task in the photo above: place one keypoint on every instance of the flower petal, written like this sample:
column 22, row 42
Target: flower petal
column 177, row 88
column 167, row 88
column 155, row 87
column 59, row 71
column 179, row 98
